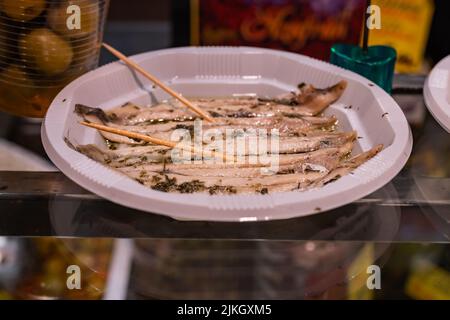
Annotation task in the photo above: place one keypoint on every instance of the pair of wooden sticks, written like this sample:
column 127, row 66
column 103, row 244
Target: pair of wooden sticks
column 159, row 83
column 146, row 138
column 138, row 136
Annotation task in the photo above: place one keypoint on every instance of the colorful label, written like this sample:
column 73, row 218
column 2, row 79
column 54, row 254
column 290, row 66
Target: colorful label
column 303, row 26
column 405, row 25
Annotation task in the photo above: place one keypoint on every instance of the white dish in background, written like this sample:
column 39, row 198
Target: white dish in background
column 222, row 71
column 437, row 93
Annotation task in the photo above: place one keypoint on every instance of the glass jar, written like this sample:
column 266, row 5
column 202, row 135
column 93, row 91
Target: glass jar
column 44, row 45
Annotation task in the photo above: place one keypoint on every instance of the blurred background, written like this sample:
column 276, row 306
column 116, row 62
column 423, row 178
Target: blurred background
column 156, row 24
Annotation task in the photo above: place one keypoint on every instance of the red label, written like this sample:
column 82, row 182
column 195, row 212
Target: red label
column 309, row 27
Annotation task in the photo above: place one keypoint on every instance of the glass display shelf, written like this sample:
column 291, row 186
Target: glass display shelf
column 49, row 204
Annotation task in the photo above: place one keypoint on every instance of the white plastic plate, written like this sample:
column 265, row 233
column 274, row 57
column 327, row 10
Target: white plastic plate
column 437, row 93
column 222, row 71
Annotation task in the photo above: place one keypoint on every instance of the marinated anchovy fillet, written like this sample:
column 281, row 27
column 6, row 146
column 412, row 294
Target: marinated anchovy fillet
column 310, row 100
column 303, row 149
column 148, row 158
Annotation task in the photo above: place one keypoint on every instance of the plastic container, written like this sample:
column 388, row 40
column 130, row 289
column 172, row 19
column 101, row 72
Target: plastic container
column 377, row 64
column 221, row 71
column 43, row 48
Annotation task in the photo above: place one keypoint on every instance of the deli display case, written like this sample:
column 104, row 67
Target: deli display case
column 61, row 241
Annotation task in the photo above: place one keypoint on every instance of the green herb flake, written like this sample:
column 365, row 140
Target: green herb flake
column 167, row 185
column 191, row 186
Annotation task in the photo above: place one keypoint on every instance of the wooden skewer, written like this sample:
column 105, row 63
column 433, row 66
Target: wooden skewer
column 161, row 142
column 159, row 83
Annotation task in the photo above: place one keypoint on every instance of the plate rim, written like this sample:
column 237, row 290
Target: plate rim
column 431, row 94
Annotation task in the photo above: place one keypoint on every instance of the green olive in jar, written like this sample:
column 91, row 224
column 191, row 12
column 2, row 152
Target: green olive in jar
column 45, row 51
column 64, row 18
column 22, row 10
